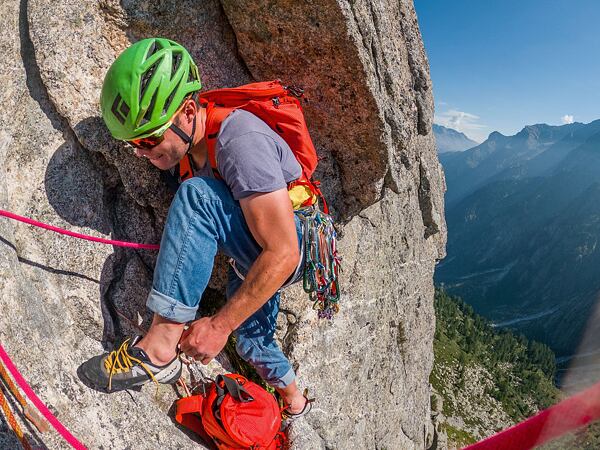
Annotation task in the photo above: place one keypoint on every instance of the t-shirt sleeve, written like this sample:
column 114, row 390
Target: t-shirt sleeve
column 250, row 163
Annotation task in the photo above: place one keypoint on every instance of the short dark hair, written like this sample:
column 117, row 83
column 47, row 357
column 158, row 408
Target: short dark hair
column 194, row 96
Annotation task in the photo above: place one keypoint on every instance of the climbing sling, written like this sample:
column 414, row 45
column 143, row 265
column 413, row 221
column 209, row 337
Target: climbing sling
column 322, row 263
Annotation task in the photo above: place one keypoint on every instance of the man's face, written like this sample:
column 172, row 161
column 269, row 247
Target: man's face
column 172, row 149
column 166, row 154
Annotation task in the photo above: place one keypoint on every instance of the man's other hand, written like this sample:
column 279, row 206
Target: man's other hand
column 204, row 339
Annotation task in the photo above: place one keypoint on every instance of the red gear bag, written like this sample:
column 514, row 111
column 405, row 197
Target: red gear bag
column 235, row 414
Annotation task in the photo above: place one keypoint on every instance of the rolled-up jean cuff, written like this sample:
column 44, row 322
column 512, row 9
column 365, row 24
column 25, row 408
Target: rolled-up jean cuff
column 169, row 308
column 285, row 381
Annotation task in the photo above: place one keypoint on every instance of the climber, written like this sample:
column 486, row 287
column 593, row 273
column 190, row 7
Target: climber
column 149, row 99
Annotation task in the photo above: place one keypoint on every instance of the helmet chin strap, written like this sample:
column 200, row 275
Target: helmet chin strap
column 188, row 139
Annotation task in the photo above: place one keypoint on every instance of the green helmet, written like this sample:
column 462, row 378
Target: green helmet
column 145, row 86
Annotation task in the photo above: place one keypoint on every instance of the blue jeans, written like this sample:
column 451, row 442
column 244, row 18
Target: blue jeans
column 204, row 218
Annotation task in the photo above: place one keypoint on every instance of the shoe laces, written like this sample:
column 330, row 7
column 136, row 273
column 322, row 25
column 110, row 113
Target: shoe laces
column 120, row 361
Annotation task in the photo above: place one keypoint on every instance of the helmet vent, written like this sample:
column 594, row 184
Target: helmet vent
column 150, row 109
column 176, row 63
column 152, row 50
column 146, row 77
column 168, row 102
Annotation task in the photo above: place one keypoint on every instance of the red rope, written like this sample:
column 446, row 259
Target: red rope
column 12, row 421
column 77, row 235
column 568, row 415
column 6, row 359
column 37, row 402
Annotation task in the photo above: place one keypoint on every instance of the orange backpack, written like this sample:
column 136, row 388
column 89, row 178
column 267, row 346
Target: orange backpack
column 235, row 414
column 279, row 107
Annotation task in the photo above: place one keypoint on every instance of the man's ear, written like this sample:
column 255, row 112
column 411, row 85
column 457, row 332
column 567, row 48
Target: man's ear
column 190, row 109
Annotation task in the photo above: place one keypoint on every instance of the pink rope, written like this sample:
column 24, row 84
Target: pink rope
column 38, row 403
column 568, row 415
column 77, row 235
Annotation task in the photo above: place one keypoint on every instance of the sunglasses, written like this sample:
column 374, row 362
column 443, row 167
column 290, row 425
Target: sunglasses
column 151, row 141
column 157, row 136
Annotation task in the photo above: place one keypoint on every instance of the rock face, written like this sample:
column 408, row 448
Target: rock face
column 370, row 106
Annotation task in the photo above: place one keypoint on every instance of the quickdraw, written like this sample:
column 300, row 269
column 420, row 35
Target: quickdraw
column 323, row 263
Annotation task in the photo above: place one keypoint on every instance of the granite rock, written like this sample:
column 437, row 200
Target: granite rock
column 366, row 77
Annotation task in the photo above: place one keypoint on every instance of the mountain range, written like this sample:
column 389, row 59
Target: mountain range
column 449, row 140
column 523, row 215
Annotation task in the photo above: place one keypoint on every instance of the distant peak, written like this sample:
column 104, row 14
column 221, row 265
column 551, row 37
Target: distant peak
column 450, row 140
column 496, row 135
column 530, row 131
column 544, row 132
column 441, row 129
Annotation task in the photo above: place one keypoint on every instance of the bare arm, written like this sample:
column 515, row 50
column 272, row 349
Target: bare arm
column 271, row 221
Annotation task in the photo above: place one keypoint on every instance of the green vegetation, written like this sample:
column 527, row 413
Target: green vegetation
column 459, row 437
column 522, row 370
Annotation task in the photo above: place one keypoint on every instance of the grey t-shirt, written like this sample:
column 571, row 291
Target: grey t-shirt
column 251, row 157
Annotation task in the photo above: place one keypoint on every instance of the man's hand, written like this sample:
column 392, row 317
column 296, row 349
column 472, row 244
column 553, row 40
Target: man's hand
column 204, row 339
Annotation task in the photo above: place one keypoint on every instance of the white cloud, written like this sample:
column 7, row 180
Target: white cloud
column 567, row 118
column 464, row 122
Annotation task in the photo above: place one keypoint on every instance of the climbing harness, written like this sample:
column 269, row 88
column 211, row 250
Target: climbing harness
column 323, row 264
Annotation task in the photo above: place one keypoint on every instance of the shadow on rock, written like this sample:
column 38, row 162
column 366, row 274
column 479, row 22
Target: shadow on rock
column 85, row 189
column 75, row 188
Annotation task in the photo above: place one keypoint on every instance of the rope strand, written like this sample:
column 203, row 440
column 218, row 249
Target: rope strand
column 29, row 412
column 12, row 421
column 37, row 402
column 77, row 235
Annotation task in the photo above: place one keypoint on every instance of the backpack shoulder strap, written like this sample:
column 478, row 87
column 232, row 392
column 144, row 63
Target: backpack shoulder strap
column 185, row 168
column 214, row 118
column 215, row 115
column 233, row 387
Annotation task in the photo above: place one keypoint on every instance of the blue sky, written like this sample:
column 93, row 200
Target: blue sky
column 498, row 65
